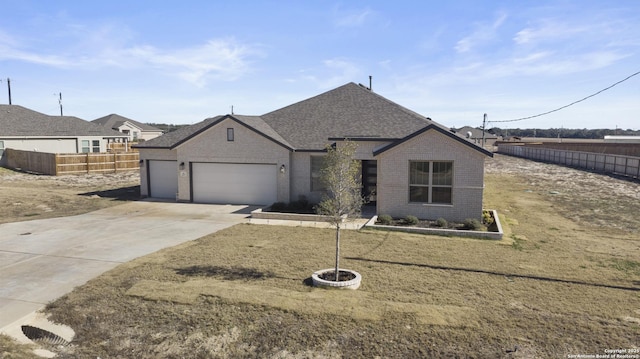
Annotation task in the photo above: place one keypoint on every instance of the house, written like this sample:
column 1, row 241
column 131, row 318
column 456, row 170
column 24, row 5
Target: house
column 135, row 130
column 410, row 164
column 477, row 135
column 28, row 130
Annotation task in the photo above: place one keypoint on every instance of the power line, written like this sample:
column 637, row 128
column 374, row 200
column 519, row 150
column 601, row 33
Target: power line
column 573, row 103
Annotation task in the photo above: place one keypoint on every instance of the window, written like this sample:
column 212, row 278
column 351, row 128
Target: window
column 430, row 182
column 1, row 148
column 96, row 145
column 85, row 146
column 316, row 166
column 230, row 136
column 135, row 136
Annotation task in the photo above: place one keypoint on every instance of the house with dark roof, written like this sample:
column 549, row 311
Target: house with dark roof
column 411, row 165
column 478, row 136
column 28, row 130
column 136, row 131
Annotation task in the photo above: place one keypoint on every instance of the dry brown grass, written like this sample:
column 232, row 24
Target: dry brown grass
column 25, row 197
column 558, row 284
column 10, row 349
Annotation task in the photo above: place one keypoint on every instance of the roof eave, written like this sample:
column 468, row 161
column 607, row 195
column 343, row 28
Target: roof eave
column 441, row 130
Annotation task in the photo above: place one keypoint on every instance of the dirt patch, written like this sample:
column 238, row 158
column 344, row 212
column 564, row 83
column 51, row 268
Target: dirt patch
column 25, row 196
column 591, row 199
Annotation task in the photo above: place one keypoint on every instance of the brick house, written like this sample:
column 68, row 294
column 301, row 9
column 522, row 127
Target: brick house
column 136, row 131
column 411, row 165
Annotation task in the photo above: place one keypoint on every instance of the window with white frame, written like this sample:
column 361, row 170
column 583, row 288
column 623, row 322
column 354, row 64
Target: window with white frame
column 95, row 146
column 316, row 167
column 86, row 146
column 431, row 182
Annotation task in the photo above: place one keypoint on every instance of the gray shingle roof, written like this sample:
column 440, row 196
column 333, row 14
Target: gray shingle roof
column 175, row 138
column 349, row 111
column 114, row 121
column 16, row 120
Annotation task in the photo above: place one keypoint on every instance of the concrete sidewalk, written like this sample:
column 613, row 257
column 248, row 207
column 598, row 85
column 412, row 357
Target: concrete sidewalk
column 41, row 260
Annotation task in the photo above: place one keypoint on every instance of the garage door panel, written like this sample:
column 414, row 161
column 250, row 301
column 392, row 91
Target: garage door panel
column 234, row 183
column 163, row 179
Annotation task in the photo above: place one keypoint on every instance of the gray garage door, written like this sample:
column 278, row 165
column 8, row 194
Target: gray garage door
column 234, row 183
column 163, row 179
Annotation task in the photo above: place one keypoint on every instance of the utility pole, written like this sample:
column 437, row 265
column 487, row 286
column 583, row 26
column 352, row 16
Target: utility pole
column 484, row 124
column 59, row 101
column 9, row 88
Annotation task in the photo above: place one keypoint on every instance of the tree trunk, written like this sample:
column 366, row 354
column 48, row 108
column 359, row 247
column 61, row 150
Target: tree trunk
column 337, row 251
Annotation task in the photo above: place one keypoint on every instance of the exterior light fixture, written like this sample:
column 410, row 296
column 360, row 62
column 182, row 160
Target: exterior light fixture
column 141, row 162
column 181, row 166
column 283, row 169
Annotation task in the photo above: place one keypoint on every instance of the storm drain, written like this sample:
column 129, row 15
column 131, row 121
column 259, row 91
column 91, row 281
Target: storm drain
column 42, row 336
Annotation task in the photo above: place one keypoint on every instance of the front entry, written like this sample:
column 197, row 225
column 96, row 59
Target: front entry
column 369, row 180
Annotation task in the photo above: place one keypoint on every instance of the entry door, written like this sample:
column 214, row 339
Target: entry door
column 369, row 180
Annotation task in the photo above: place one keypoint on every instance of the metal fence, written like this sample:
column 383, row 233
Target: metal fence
column 598, row 162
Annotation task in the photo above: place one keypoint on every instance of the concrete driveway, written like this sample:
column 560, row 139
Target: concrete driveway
column 41, row 260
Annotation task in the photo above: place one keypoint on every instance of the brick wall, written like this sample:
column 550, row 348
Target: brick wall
column 468, row 182
column 247, row 147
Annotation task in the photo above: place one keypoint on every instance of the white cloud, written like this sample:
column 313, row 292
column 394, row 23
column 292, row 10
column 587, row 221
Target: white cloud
column 483, row 33
column 224, row 59
column 352, row 18
column 548, row 30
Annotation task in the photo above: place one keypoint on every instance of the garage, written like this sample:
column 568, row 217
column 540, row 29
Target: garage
column 234, row 183
column 163, row 179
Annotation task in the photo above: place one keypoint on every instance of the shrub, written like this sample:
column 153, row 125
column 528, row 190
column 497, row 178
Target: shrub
column 411, row 220
column 472, row 224
column 385, row 219
column 442, row 223
column 487, row 219
column 278, row 207
column 300, row 205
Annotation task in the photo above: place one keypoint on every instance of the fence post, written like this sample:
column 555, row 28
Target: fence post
column 115, row 163
column 87, row 161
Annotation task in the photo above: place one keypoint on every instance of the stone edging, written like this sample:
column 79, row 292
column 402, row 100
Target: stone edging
column 442, row 232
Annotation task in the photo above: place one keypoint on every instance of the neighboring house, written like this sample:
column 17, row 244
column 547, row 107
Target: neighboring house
column 135, row 130
column 410, row 164
column 28, row 130
column 475, row 135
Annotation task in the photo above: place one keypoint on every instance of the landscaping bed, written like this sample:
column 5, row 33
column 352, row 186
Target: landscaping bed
column 490, row 228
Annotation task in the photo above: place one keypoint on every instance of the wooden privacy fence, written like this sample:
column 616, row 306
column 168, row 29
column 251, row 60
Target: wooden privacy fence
column 121, row 147
column 599, row 162
column 72, row 163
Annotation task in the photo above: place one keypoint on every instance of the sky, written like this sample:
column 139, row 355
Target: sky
column 180, row 62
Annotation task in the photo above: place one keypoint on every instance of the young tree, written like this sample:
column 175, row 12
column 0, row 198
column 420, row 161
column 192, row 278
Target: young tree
column 342, row 200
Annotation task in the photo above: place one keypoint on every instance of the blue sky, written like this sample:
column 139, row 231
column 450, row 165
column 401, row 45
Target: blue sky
column 183, row 61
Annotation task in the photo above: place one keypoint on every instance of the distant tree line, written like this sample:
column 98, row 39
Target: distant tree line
column 562, row 132
column 166, row 128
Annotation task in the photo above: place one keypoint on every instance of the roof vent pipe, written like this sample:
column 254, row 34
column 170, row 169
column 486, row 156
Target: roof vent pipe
column 370, row 83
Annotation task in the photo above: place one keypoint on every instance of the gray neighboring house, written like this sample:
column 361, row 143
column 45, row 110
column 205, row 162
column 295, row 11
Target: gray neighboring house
column 135, row 130
column 475, row 135
column 28, row 130
column 411, row 165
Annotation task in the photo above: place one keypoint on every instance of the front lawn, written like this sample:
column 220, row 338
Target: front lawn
column 564, row 280
column 244, row 292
